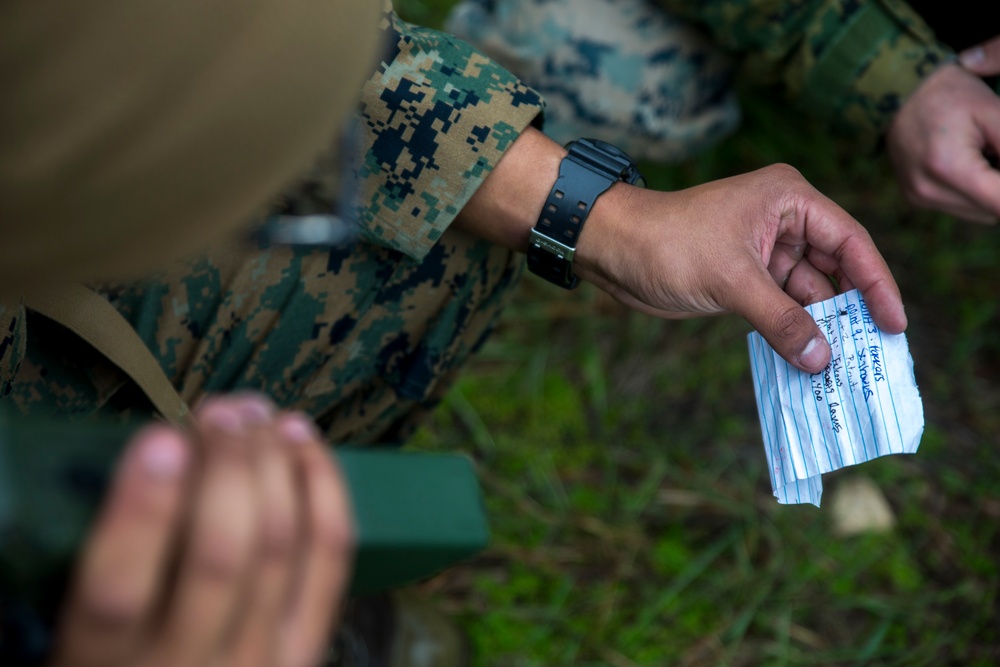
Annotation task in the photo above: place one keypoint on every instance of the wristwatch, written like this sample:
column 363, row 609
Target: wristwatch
column 591, row 167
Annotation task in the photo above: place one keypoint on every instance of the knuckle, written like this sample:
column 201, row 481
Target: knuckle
column 281, row 508
column 221, row 555
column 333, row 535
column 279, row 536
column 814, row 295
column 329, row 522
column 921, row 192
column 857, row 233
column 144, row 506
column 939, row 164
column 786, row 171
column 108, row 604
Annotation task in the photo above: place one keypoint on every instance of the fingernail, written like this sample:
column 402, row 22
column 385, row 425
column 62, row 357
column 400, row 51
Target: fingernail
column 298, row 428
column 254, row 408
column 223, row 415
column 813, row 354
column 163, row 455
column 972, row 57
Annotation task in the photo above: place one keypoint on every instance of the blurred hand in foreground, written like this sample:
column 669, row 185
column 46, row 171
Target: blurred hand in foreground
column 231, row 546
column 940, row 139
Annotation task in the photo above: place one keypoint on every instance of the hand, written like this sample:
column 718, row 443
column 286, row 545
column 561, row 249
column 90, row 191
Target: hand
column 733, row 245
column 982, row 59
column 728, row 245
column 231, row 547
column 937, row 140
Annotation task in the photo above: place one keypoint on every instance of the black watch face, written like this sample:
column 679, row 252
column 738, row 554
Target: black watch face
column 631, row 174
column 611, row 149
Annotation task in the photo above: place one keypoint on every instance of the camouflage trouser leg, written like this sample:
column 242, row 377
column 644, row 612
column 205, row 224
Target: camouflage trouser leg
column 364, row 339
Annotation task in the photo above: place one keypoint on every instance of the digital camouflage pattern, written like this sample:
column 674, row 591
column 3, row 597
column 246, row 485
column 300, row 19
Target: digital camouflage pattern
column 436, row 119
column 364, row 338
column 12, row 340
column 849, row 62
column 620, row 70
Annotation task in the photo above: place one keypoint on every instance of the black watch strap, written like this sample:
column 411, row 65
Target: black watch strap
column 590, row 168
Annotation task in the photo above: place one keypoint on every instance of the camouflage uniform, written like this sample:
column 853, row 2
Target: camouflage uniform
column 631, row 73
column 363, row 338
column 621, row 70
column 366, row 338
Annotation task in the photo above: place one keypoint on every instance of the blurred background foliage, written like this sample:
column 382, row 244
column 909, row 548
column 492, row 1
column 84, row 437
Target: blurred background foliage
column 626, row 481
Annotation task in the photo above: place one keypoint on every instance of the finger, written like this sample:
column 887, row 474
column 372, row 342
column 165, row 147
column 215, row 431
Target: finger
column 328, row 552
column 220, row 539
column 928, row 192
column 828, row 265
column 963, row 183
column 783, row 259
column 122, row 568
column 256, row 638
column 783, row 323
column 976, row 178
column 829, row 229
column 808, row 285
column 983, row 59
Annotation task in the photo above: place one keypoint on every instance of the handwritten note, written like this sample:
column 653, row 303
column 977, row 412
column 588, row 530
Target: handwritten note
column 863, row 405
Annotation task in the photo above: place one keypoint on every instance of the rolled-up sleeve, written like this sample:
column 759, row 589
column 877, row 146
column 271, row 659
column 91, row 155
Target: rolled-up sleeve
column 436, row 117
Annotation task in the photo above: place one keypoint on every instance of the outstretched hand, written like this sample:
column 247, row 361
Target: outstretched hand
column 760, row 245
column 237, row 556
column 939, row 140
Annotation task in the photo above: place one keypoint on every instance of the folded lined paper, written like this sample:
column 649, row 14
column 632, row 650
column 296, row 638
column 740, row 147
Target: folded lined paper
column 863, row 405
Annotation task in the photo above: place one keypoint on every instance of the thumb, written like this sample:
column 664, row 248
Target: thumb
column 785, row 325
column 982, row 59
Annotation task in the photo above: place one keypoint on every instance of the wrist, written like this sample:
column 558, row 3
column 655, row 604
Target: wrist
column 607, row 232
column 590, row 169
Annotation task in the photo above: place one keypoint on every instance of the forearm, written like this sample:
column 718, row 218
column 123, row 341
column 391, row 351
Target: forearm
column 506, row 206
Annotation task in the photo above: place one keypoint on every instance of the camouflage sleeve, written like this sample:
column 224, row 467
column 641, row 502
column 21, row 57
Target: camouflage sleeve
column 850, row 62
column 12, row 339
column 436, row 117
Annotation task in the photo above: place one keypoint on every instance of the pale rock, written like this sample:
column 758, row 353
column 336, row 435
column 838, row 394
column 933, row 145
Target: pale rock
column 858, row 506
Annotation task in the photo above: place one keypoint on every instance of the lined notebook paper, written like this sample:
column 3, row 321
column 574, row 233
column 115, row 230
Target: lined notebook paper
column 863, row 405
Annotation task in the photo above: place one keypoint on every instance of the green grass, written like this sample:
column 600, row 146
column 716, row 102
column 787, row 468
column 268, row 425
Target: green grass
column 626, row 481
